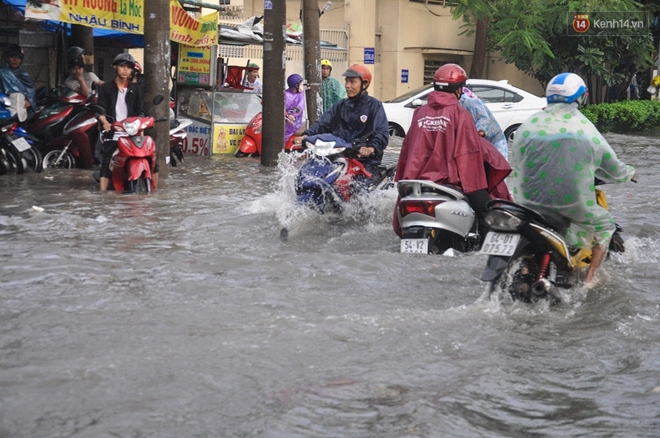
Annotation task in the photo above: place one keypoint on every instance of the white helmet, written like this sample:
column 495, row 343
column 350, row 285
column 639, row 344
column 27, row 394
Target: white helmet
column 565, row 88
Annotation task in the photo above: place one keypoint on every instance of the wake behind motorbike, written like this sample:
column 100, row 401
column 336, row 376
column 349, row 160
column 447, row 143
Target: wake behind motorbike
column 134, row 163
column 435, row 218
column 527, row 256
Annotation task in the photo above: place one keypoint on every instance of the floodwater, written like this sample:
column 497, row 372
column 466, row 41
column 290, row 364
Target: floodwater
column 182, row 314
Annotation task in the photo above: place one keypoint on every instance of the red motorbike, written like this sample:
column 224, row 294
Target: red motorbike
column 134, row 163
column 250, row 144
column 75, row 147
column 48, row 123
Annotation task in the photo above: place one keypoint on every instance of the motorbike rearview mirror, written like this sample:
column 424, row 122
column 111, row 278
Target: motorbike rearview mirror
column 98, row 110
column 157, row 99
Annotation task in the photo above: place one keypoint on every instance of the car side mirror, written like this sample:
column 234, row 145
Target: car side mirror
column 417, row 103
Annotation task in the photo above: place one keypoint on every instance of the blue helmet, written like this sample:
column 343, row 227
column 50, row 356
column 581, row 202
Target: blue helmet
column 294, row 80
column 565, row 88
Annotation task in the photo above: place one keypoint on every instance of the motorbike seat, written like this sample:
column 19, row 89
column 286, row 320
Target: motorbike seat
column 553, row 219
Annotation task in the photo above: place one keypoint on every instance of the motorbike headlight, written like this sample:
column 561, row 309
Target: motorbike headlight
column 132, row 128
column 323, row 148
column 502, row 220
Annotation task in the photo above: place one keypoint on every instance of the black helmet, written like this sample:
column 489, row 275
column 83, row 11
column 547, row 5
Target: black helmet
column 13, row 50
column 124, row 58
column 74, row 57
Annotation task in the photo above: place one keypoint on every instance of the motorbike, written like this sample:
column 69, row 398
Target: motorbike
column 134, row 163
column 435, row 218
column 75, row 147
column 18, row 149
column 250, row 144
column 178, row 135
column 47, row 124
column 527, row 256
column 331, row 173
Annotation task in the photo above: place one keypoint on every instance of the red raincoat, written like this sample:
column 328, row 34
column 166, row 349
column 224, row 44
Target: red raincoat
column 443, row 146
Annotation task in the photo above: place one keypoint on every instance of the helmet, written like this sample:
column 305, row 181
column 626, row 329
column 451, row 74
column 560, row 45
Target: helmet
column 13, row 50
column 294, row 80
column 74, row 57
column 138, row 68
column 359, row 71
column 124, row 58
column 449, row 78
column 565, row 87
column 326, row 63
column 252, row 66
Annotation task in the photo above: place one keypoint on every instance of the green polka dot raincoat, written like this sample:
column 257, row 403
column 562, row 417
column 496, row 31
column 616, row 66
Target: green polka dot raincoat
column 556, row 156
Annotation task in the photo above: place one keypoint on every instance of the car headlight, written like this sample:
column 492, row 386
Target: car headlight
column 131, row 128
column 503, row 220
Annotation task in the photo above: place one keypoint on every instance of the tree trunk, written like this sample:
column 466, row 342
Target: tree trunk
column 479, row 55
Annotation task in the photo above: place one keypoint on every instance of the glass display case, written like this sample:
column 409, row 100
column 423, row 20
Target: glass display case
column 219, row 118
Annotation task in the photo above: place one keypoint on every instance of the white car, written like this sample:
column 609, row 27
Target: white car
column 510, row 105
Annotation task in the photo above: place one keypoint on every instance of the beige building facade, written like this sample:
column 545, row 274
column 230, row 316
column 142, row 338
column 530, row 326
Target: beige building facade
column 409, row 40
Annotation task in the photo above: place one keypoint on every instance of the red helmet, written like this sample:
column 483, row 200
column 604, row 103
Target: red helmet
column 359, row 71
column 137, row 68
column 449, row 78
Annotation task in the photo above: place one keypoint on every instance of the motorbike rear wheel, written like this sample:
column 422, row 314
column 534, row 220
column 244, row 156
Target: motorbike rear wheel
column 13, row 162
column 52, row 160
column 517, row 279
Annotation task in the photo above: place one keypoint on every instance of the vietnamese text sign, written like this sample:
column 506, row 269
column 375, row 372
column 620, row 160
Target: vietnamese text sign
column 126, row 16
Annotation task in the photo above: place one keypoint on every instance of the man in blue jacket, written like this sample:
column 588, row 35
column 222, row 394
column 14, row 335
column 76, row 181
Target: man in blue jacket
column 358, row 117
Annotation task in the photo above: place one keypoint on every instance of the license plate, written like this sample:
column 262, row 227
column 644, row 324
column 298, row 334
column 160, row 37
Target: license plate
column 415, row 246
column 500, row 244
column 21, row 144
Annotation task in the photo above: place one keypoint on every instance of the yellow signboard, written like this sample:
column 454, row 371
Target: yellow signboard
column 226, row 138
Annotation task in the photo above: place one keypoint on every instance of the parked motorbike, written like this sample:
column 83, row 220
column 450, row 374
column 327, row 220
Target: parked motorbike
column 48, row 123
column 19, row 149
column 435, row 218
column 134, row 163
column 178, row 134
column 75, row 147
column 527, row 255
column 250, row 144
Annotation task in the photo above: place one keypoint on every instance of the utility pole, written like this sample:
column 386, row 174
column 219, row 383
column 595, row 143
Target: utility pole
column 274, row 68
column 157, row 74
column 312, row 44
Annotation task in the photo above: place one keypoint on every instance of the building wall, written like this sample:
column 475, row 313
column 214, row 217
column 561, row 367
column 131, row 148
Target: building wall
column 405, row 35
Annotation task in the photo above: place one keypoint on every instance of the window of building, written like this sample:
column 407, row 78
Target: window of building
column 437, row 2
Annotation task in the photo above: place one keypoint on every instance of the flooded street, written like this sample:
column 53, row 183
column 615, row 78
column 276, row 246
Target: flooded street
column 182, row 314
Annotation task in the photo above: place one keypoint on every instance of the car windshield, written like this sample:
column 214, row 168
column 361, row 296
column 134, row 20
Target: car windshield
column 409, row 94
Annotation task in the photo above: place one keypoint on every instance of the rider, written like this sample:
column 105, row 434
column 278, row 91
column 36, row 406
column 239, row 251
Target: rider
column 294, row 105
column 331, row 89
column 14, row 79
column 79, row 80
column 444, row 146
column 555, row 159
column 487, row 126
column 120, row 98
column 358, row 117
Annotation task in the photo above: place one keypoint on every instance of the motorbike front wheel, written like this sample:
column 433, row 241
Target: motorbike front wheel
column 140, row 185
column 34, row 160
column 56, row 159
